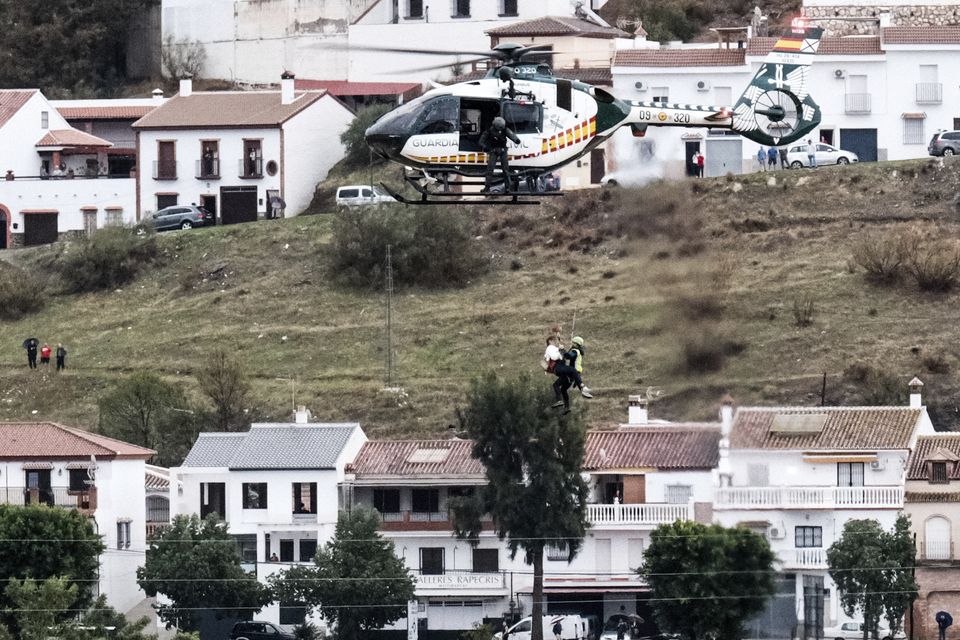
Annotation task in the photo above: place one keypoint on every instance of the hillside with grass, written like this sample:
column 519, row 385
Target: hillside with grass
column 755, row 285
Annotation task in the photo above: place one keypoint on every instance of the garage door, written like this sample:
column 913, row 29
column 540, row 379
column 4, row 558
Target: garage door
column 862, row 142
column 723, row 155
column 238, row 204
column 39, row 228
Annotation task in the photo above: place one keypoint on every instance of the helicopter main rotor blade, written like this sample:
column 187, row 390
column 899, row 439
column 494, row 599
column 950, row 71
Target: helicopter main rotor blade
column 426, row 52
column 445, row 65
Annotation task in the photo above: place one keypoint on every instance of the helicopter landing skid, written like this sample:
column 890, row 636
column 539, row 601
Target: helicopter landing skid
column 428, row 197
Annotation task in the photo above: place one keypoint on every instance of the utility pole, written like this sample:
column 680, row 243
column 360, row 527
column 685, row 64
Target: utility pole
column 389, row 318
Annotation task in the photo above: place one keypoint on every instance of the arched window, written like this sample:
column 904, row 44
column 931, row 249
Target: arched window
column 937, row 539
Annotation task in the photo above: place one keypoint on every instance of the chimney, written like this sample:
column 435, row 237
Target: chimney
column 302, row 415
column 286, row 88
column 157, row 95
column 886, row 18
column 726, row 416
column 915, row 399
column 186, row 86
column 637, row 411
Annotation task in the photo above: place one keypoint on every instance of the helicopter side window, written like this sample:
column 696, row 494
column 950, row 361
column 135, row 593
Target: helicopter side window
column 523, row 117
column 476, row 116
column 439, row 116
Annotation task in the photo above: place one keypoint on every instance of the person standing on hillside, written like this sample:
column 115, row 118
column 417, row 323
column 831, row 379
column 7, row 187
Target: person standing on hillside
column 811, row 154
column 772, row 158
column 762, row 159
column 783, row 158
column 61, row 357
column 31, row 347
column 700, row 162
column 45, row 352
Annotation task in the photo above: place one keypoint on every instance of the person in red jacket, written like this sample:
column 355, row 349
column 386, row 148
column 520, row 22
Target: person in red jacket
column 45, row 352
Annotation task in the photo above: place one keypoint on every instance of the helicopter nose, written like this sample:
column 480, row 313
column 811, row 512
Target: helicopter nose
column 384, row 144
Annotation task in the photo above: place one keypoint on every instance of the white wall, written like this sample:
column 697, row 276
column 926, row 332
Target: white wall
column 67, row 197
column 787, row 468
column 19, row 136
column 311, row 143
column 188, row 152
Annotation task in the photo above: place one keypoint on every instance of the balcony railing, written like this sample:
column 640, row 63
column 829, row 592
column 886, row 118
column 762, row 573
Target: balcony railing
column 153, row 528
column 929, row 92
column 857, row 103
column 422, row 521
column 804, row 558
column 937, row 550
column 809, row 498
column 250, row 168
column 53, row 497
column 165, row 171
column 637, row 514
column 207, row 169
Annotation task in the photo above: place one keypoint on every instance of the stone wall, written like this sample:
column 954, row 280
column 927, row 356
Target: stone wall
column 939, row 590
column 929, row 15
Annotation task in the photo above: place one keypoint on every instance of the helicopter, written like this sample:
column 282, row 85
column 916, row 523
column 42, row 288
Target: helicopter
column 436, row 137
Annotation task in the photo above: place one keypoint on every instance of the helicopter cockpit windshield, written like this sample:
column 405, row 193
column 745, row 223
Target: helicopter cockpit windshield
column 439, row 115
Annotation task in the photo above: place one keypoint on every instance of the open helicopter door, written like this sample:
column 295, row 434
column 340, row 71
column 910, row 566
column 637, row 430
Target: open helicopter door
column 476, row 116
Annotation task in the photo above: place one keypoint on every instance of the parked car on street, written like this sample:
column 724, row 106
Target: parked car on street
column 361, row 195
column 854, row 631
column 257, row 630
column 826, row 154
column 182, row 217
column 944, row 143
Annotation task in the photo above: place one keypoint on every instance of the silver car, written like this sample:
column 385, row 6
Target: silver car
column 797, row 155
column 182, row 217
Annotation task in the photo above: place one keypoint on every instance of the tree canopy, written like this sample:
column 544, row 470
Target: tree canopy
column 663, row 20
column 872, row 569
column 707, row 580
column 39, row 542
column 532, row 455
column 358, row 579
column 66, row 47
column 146, row 410
column 195, row 563
column 354, row 140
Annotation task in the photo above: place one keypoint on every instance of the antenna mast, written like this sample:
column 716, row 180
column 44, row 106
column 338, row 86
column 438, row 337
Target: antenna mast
column 389, row 318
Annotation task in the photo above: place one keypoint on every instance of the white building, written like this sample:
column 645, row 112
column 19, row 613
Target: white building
column 56, row 179
column 102, row 478
column 882, row 96
column 275, row 485
column 232, row 151
column 251, row 41
column 640, row 476
column 797, row 474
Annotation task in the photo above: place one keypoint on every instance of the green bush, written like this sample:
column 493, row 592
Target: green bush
column 357, row 152
column 21, row 293
column 431, row 247
column 109, row 258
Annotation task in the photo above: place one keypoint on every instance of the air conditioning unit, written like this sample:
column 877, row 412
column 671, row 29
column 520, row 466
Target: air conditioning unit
column 839, row 74
column 703, row 85
column 776, row 533
column 877, row 465
column 640, row 85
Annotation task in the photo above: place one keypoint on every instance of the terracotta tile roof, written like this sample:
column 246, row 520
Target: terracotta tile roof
column 11, row 100
column 416, row 458
column 934, row 447
column 71, row 138
column 669, row 447
column 591, row 75
column 105, row 112
column 226, row 109
column 679, row 58
column 557, row 26
column 938, row 496
column 845, row 428
column 829, row 46
column 921, row 35
column 55, row 441
column 346, row 88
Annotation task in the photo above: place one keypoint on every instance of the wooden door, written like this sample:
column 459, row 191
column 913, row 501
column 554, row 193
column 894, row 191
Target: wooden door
column 166, row 159
column 598, row 166
column 634, row 489
column 39, row 228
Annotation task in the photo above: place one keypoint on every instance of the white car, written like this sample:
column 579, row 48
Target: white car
column 361, row 195
column 826, row 154
column 854, row 631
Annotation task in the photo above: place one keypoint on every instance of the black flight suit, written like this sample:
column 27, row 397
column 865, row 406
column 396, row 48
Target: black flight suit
column 494, row 143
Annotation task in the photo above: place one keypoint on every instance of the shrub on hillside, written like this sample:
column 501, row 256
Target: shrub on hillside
column 934, row 264
column 357, row 152
column 430, row 247
column 109, row 258
column 881, row 255
column 21, row 293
